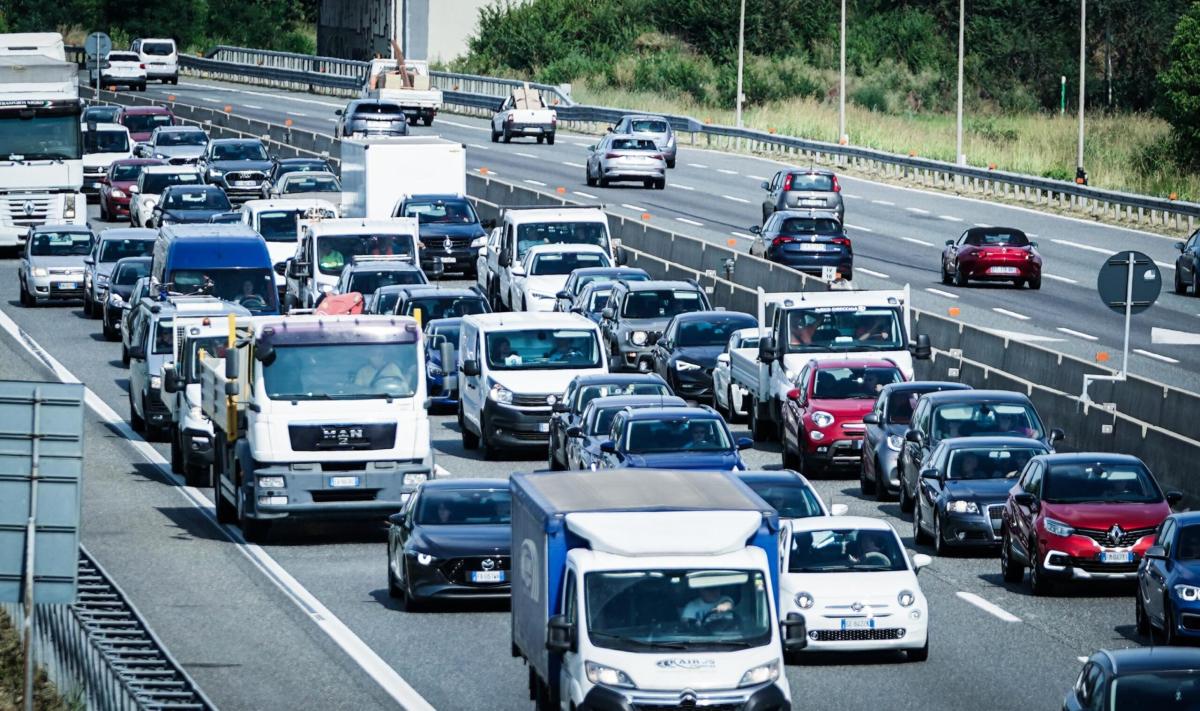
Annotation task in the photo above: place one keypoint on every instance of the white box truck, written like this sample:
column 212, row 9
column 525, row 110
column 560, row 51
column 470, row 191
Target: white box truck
column 378, row 172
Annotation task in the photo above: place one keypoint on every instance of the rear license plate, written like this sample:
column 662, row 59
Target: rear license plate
column 860, row 623
column 1003, row 270
column 449, row 260
column 812, row 202
column 812, row 247
column 68, row 285
column 1116, row 557
column 487, row 576
column 544, row 427
column 339, row 482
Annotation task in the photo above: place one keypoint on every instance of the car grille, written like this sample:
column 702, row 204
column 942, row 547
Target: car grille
column 78, row 273
column 458, row 570
column 38, row 211
column 1127, row 539
column 181, row 160
column 339, row 437
column 335, row 496
column 995, row 517
column 690, row 707
column 530, row 436
column 531, row 400
column 1091, row 565
column 874, row 635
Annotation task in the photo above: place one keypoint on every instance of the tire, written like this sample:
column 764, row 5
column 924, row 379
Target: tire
column 602, row 181
column 1142, row 622
column 470, row 440
column 789, row 461
column 1010, row 570
column 427, row 120
column 226, row 512
column 103, row 211
column 152, row 433
column 946, row 278
column 135, row 420
column 759, row 430
column 507, row 136
column 87, row 304
column 541, row 140
column 485, row 442
column 554, row 465
column 1037, row 579
column 174, row 80
column 24, row 295
column 495, row 137
column 591, row 182
column 176, row 451
column 960, row 277
column 919, row 655
column 1035, row 284
column 394, row 589
column 253, row 530
column 881, row 492
column 939, row 543
column 648, row 184
column 1180, row 287
column 110, row 333
column 919, row 535
column 734, row 415
column 1170, row 637
column 661, row 184
column 671, row 164
column 197, row 475
column 550, row 140
column 141, row 87
column 906, row 503
column 866, row 486
column 124, row 356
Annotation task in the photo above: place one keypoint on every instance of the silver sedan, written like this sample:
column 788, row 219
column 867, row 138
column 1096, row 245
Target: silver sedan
column 624, row 158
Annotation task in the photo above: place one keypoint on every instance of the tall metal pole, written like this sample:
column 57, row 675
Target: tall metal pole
column 1128, row 315
column 741, row 56
column 958, row 143
column 842, row 82
column 1079, row 174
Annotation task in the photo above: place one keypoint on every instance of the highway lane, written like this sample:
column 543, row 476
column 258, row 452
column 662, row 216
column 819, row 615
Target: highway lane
column 458, row 656
column 898, row 232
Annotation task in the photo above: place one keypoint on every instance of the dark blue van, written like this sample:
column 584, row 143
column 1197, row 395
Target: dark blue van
column 230, row 262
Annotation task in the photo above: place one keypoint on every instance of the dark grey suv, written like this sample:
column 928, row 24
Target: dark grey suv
column 797, row 188
column 371, row 117
column 239, row 166
column 636, row 314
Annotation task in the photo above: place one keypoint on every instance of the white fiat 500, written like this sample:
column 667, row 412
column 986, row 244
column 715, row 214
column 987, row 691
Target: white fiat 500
column 855, row 585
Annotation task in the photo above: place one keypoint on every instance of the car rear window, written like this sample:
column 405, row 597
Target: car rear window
column 145, row 123
column 377, row 109
column 789, row 501
column 810, row 226
column 648, row 126
column 114, row 249
column 1007, row 238
column 812, row 181
column 633, row 144
column 155, row 183
column 123, row 57
column 158, row 49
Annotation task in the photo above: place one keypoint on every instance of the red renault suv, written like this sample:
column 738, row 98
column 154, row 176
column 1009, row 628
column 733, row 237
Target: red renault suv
column 1082, row 516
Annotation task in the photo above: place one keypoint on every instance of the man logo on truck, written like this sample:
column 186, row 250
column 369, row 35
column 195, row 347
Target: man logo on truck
column 342, row 435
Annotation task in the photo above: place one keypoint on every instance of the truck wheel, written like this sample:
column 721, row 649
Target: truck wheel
column 759, row 430
column 507, row 136
column 226, row 513
column 427, row 120
column 176, row 451
column 196, row 475
column 541, row 140
column 470, row 440
column 550, row 140
column 253, row 530
column 135, row 420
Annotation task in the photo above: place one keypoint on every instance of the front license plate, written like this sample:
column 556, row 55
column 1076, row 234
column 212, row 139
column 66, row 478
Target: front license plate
column 449, row 260
column 812, row 247
column 859, row 623
column 68, row 285
column 487, row 576
column 244, row 183
column 1116, row 557
column 544, row 427
column 1003, row 270
column 812, row 202
column 339, row 482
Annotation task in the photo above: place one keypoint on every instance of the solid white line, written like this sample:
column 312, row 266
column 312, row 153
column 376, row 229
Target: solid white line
column 297, row 113
column 982, row 224
column 727, row 172
column 1013, row 314
column 479, row 146
column 914, row 240
column 252, row 106
column 524, row 155
column 697, row 165
column 743, row 235
column 680, row 186
column 686, row 221
column 917, row 210
column 1156, row 356
column 585, row 145
column 860, row 229
column 333, row 120
column 573, row 165
column 950, row 218
column 1077, row 334
column 939, row 292
column 887, row 203
column 589, row 196
column 735, row 199
column 211, row 99
column 1099, row 250
column 318, row 613
column 536, row 182
column 635, row 208
column 1063, row 279
column 872, row 272
column 988, row 607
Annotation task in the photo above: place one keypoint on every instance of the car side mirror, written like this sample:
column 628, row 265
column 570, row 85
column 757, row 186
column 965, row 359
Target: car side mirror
column 504, row 260
column 560, row 635
column 768, row 350
column 913, row 436
column 1025, row 499
column 470, row 368
column 1179, row 246
column 949, row 243
column 723, row 359
column 1174, row 497
column 281, row 268
column 170, row 378
column 134, row 190
column 488, row 224
column 574, row 432
column 397, row 519
column 870, row 419
column 755, row 230
column 923, row 350
column 839, row 510
column 564, row 294
column 744, row 443
column 592, row 147
column 89, row 261
column 793, row 394
column 518, row 270
column 765, row 185
column 137, row 352
column 1155, row 553
column 930, row 473
column 1033, row 245
column 338, row 112
column 920, row 560
column 560, row 407
column 608, row 314
column 1057, row 435
column 608, row 446
column 794, row 632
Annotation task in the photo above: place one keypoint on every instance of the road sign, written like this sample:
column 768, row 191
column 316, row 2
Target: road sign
column 1116, row 282
column 97, row 45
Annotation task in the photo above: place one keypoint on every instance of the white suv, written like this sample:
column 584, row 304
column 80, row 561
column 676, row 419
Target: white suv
column 161, row 58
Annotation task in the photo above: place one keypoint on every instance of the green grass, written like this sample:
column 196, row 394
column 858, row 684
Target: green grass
column 1122, row 152
column 12, row 676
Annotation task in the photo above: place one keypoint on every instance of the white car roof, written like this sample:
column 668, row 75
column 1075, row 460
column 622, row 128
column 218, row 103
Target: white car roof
column 171, row 169
column 299, row 205
column 516, row 321
column 358, row 226
column 821, row 523
column 106, row 127
column 754, row 331
column 552, row 214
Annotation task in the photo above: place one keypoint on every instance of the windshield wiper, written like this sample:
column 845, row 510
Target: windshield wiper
column 639, row 642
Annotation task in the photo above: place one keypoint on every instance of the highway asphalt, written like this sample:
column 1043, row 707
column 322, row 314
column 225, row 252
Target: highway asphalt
column 898, row 232
column 300, row 622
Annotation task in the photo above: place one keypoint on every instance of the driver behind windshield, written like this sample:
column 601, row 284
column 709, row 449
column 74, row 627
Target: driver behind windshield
column 710, row 602
column 803, row 330
column 378, row 367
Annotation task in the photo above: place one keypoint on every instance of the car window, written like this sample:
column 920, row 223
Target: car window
column 441, row 212
column 200, row 199
column 562, row 264
column 1033, row 480
column 129, row 272
column 433, row 307
column 1187, row 542
column 464, row 507
column 105, row 141
column 817, row 182
column 155, row 183
column 113, row 249
column 312, row 184
column 61, row 244
column 678, row 435
column 1102, row 482
column 144, row 123
column 996, row 238
column 239, row 151
column 810, row 226
column 648, row 126
column 123, row 57
column 709, row 332
column 841, row 383
column 661, row 303
column 377, row 109
column 846, row 550
column 788, row 500
column 1165, row 537
column 158, row 49
column 973, row 419
column 125, row 172
column 180, row 138
column 633, row 144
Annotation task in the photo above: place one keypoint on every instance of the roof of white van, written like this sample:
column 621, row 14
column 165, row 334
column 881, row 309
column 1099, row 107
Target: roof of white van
column 293, row 205
column 514, row 321
column 360, row 226
column 566, row 249
column 555, row 214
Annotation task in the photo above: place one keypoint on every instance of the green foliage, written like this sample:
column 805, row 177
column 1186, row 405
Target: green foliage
column 1179, row 82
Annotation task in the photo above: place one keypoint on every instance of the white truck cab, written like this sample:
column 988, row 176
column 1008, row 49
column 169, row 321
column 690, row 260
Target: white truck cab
column 410, row 88
column 326, row 247
column 278, row 221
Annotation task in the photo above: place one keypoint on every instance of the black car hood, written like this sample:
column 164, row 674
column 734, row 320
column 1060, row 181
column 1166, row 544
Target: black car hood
column 121, row 290
column 979, row 490
column 450, row 229
column 226, row 166
column 704, row 356
column 457, row 541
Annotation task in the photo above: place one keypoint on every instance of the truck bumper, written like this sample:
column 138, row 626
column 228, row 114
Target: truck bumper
column 366, row 492
column 516, row 428
column 13, row 235
column 765, row 698
column 523, row 129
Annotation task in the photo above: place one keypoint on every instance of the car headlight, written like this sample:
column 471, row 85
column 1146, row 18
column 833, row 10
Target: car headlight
column 118, row 193
column 1187, row 593
column 684, row 366
column 214, row 173
column 962, row 507
column 69, row 207
column 271, row 482
column 804, row 600
column 895, row 443
column 40, row 272
column 821, row 418
column 500, row 394
column 765, row 674
column 325, row 288
column 435, row 370
column 115, row 299
column 1057, row 528
column 155, row 382
column 906, row 598
column 424, row 558
column 101, row 279
column 415, row 478
column 638, row 338
column 600, row 674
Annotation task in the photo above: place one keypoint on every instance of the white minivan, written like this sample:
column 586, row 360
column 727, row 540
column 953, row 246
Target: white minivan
column 103, row 143
column 515, row 367
column 161, row 58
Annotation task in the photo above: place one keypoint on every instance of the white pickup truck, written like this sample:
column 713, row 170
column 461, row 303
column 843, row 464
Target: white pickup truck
column 524, row 113
column 805, row 326
column 410, row 88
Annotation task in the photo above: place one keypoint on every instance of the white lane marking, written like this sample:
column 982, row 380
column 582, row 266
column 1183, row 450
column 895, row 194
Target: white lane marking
column 914, row 240
column 573, row 165
column 1027, row 234
column 1099, row 250
column 536, row 182
column 1013, row 314
column 1077, row 334
column 982, row 224
column 276, row 97
column 686, row 221
column 873, row 273
column 480, row 146
column 333, row 120
column 210, row 99
column 589, row 196
column 743, row 235
column 585, row 145
column 852, row 196
column 735, row 199
column 727, row 172
column 466, row 126
column 524, row 155
column 635, row 208
column 680, row 186
column 1063, row 279
column 1155, row 356
column 860, row 229
column 1023, row 336
column 917, row 210
column 939, row 292
column 757, row 177
column 323, row 617
column 885, row 203
column 252, row 106
column 697, row 165
column 950, row 218
column 299, row 114
column 988, row 607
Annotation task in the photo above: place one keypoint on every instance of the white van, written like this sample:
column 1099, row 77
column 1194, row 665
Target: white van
column 327, row 246
column 161, row 58
column 103, row 143
column 278, row 221
column 515, row 367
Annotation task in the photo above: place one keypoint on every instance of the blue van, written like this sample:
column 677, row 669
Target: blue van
column 230, row 262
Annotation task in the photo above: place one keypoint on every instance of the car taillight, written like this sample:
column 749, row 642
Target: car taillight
column 141, row 66
column 843, row 241
column 837, row 187
column 782, row 239
column 612, row 155
column 787, row 182
column 656, row 156
column 553, row 119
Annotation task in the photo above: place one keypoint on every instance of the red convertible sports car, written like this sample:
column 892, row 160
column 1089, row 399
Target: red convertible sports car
column 992, row 254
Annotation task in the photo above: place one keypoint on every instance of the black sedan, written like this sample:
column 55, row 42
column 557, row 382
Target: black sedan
column 190, row 204
column 1142, row 678
column 883, row 436
column 686, row 353
column 1187, row 265
column 451, row 541
column 963, row 489
column 582, row 390
column 125, row 274
column 789, row 493
column 805, row 240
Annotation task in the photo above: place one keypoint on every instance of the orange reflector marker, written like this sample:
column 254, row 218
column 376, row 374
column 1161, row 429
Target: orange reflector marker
column 228, row 109
column 170, row 97
column 483, row 171
column 954, row 311
column 560, row 190
column 287, row 122
column 912, row 154
column 645, row 216
column 1101, row 357
column 731, row 242
column 1173, row 196
column 991, row 166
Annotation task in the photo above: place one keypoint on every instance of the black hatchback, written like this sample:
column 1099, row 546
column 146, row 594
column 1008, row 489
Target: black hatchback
column 1144, row 678
column 805, row 240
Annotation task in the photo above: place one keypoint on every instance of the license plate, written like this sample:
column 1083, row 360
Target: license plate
column 244, row 183
column 859, row 623
column 487, row 576
column 812, row 202
column 811, row 247
column 338, row 482
column 449, row 260
column 1116, row 557
column 1003, row 270
column 544, row 427
column 68, row 285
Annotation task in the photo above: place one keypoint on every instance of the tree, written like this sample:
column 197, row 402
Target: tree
column 1179, row 86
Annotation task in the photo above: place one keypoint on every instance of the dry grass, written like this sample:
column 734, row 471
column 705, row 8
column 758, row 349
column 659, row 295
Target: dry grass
column 1117, row 153
column 12, row 676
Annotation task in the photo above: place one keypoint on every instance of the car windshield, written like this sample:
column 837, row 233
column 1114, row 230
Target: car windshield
column 145, row 123
column 155, row 183
column 353, row 371
column 105, row 141
column 464, row 507
column 556, row 264
column 445, row 306
column 367, row 281
column 677, row 609
column 591, row 392
column 990, row 238
column 312, row 184
column 1156, row 690
column 633, row 144
column 845, row 550
column 252, row 288
column 129, row 272
column 982, row 418
column 852, row 383
column 113, row 249
column 543, row 348
column 709, row 332
column 648, row 126
column 101, row 114
column 809, row 226
column 334, row 252
column 196, row 199
column 989, row 462
column 210, row 346
column 279, row 225
column 788, row 500
column 844, row 328
column 126, row 172
column 1188, row 545
column 158, row 49
column 532, row 234
column 455, row 212
column 248, row 150
column 817, row 182
column 1101, row 482
column 659, row 304
column 61, row 244
column 599, row 299
column 181, row 138
column 691, row 434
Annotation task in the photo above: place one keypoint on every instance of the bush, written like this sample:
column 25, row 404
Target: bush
column 1179, row 97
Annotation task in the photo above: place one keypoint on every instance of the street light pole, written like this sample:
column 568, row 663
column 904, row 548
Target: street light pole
column 741, row 51
column 958, row 149
column 842, row 137
column 1080, row 175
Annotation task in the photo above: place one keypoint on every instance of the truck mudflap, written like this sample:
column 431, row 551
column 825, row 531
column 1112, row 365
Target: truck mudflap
column 766, row 698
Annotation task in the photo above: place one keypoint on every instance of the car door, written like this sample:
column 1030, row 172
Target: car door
column 1153, row 584
column 138, row 373
column 572, row 674
column 874, row 436
column 507, row 247
column 1190, row 260
column 928, row 490
column 911, row 456
column 661, row 353
column 793, row 410
column 1026, row 516
column 616, row 434
column 470, row 348
column 768, row 204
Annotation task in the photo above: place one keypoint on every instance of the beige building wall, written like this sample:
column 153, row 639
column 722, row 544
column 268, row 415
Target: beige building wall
column 450, row 23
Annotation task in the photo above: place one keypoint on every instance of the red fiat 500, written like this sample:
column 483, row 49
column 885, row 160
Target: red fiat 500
column 992, row 254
